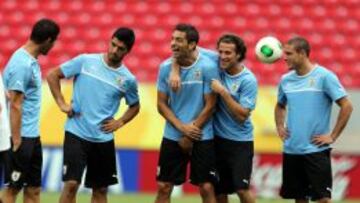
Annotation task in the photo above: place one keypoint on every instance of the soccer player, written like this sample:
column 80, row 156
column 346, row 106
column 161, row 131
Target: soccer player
column 237, row 90
column 234, row 147
column 22, row 79
column 100, row 81
column 305, row 99
column 188, row 114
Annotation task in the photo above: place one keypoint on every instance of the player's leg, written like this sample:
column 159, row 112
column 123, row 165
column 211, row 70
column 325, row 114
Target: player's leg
column 295, row 183
column 2, row 160
column 171, row 169
column 100, row 176
column 318, row 168
column 32, row 194
column 222, row 198
column 241, row 161
column 301, row 201
column 99, row 195
column 75, row 158
column 9, row 194
column 203, row 172
column 33, row 177
column 15, row 173
column 225, row 184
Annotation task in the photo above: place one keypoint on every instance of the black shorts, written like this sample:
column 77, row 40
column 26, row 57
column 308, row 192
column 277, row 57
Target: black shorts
column 234, row 161
column 23, row 167
column 98, row 159
column 173, row 163
column 2, row 166
column 307, row 176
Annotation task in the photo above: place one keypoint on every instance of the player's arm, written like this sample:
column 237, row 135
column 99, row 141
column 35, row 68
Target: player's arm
column 239, row 112
column 132, row 100
column 334, row 89
column 207, row 111
column 346, row 109
column 53, row 80
column 280, row 114
column 174, row 77
column 112, row 125
column 16, row 101
column 210, row 73
column 189, row 130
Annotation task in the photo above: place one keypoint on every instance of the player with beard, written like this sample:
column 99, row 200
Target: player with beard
column 188, row 114
column 22, row 80
column 100, row 81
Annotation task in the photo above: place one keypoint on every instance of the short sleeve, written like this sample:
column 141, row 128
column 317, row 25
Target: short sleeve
column 248, row 94
column 281, row 95
column 162, row 83
column 333, row 87
column 210, row 73
column 19, row 78
column 72, row 67
column 132, row 95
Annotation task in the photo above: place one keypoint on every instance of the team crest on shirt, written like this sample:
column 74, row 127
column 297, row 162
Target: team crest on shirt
column 312, row 82
column 120, row 81
column 197, row 75
column 234, row 87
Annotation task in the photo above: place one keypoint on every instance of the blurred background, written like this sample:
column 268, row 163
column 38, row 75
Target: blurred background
column 331, row 26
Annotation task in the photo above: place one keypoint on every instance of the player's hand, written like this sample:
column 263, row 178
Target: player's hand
column 174, row 77
column 283, row 132
column 16, row 140
column 322, row 140
column 216, row 86
column 110, row 125
column 192, row 131
column 67, row 109
column 186, row 144
column 174, row 81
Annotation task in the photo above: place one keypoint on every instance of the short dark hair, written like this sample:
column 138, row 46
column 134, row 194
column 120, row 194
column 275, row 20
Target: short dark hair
column 192, row 34
column 43, row 30
column 126, row 35
column 240, row 46
column 300, row 44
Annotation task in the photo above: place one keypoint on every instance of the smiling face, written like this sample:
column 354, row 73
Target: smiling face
column 227, row 54
column 117, row 50
column 180, row 46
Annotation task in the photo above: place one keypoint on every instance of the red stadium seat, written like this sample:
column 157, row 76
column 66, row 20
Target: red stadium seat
column 331, row 26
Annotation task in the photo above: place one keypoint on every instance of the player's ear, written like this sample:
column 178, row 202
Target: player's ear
column 192, row 45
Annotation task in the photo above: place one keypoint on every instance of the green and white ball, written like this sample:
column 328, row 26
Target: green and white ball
column 268, row 49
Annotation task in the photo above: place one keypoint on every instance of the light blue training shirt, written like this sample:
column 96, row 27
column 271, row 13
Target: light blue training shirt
column 97, row 92
column 308, row 100
column 243, row 89
column 189, row 101
column 22, row 73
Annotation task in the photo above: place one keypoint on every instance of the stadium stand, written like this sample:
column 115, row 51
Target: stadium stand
column 332, row 26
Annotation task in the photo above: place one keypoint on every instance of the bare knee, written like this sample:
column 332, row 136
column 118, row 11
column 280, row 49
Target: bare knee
column 71, row 188
column 324, row 200
column 165, row 189
column 32, row 192
column 206, row 189
column 222, row 198
column 99, row 192
column 243, row 193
